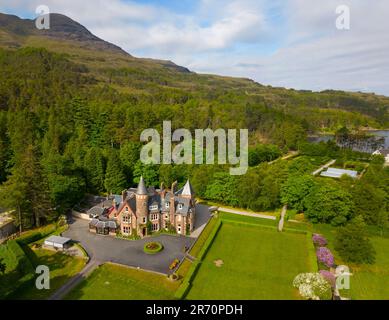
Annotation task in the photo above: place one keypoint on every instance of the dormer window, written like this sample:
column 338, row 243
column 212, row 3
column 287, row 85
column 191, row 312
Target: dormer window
column 153, row 207
column 126, row 209
column 167, row 205
column 180, row 206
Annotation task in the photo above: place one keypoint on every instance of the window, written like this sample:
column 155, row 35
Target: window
column 179, row 228
column 144, row 219
column 180, row 206
column 154, row 227
column 154, row 207
column 126, row 209
column 127, row 230
column 126, row 218
column 154, row 216
column 167, row 205
column 166, row 216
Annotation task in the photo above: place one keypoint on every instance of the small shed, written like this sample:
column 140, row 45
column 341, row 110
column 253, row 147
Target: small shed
column 57, row 242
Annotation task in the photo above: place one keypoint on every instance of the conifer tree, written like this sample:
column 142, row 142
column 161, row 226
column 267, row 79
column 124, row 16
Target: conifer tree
column 115, row 179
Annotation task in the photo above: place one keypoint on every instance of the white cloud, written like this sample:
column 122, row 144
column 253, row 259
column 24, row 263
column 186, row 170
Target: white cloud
column 291, row 43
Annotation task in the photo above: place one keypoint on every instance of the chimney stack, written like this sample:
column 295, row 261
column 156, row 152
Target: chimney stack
column 174, row 184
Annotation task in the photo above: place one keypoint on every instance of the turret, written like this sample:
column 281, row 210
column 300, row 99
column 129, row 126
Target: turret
column 187, row 190
column 142, row 198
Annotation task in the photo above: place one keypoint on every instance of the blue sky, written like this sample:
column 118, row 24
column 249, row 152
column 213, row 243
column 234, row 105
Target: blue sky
column 290, row 43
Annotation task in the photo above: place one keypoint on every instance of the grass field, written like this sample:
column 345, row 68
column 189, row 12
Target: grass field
column 258, row 263
column 113, row 282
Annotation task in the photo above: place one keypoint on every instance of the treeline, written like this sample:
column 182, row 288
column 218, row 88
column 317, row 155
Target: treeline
column 64, row 133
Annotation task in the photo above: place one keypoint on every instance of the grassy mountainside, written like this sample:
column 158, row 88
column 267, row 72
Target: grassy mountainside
column 111, row 66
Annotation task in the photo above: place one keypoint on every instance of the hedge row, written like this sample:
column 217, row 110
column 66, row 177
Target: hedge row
column 209, row 240
column 185, row 285
column 312, row 259
column 35, row 235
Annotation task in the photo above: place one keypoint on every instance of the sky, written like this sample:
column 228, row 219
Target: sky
column 288, row 43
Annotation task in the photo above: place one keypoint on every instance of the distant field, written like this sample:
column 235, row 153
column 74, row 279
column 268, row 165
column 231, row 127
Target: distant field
column 257, row 263
column 112, row 282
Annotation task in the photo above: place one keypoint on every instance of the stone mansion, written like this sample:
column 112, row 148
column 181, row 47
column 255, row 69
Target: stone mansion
column 137, row 212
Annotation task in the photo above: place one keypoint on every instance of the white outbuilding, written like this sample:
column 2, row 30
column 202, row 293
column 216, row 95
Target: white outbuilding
column 57, row 242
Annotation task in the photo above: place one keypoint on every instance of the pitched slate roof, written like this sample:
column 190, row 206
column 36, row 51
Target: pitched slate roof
column 96, row 211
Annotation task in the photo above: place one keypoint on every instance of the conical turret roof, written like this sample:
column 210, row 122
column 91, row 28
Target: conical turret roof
column 187, row 190
column 142, row 190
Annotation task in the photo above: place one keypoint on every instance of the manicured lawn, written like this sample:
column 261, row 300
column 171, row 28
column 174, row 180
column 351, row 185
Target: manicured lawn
column 257, row 263
column 62, row 269
column 112, row 282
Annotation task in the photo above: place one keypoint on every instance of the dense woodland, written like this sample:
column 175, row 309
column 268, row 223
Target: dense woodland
column 68, row 129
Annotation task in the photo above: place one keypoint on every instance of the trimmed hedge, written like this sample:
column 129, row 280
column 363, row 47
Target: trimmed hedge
column 199, row 243
column 185, row 285
column 209, row 241
column 182, row 290
column 35, row 235
column 312, row 253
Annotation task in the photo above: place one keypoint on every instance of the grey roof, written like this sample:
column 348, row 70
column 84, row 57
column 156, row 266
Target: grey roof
column 57, row 239
column 94, row 222
column 103, row 224
column 337, row 173
column 96, row 211
column 142, row 190
column 117, row 198
column 185, row 203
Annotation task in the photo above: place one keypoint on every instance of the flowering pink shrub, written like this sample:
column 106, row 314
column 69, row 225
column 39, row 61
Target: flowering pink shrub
column 325, row 256
column 329, row 276
column 319, row 240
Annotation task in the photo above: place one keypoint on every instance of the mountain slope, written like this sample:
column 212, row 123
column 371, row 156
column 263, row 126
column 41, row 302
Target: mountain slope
column 108, row 65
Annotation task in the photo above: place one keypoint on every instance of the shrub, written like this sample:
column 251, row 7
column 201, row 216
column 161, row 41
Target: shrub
column 152, row 247
column 313, row 286
column 353, row 244
column 329, row 276
column 35, row 235
column 324, row 255
column 174, row 264
column 319, row 240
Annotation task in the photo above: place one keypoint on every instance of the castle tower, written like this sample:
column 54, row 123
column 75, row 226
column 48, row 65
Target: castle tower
column 188, row 192
column 142, row 209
